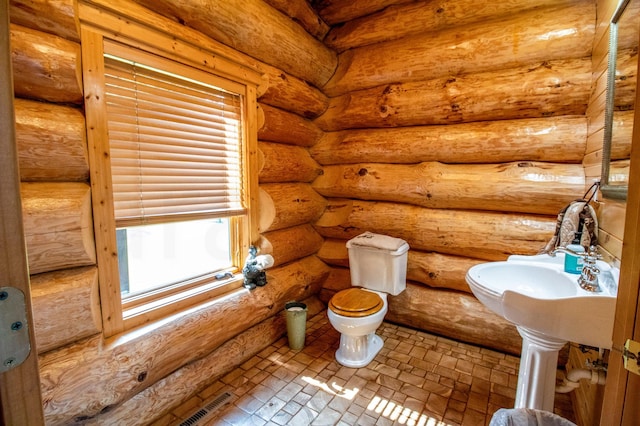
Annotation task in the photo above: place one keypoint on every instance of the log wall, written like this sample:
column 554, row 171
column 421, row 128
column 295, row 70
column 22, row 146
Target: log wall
column 497, row 42
column 441, row 91
column 142, row 369
column 430, row 136
column 54, row 169
column 466, row 154
column 257, row 29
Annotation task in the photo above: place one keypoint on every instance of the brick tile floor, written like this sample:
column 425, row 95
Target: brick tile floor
column 416, row 379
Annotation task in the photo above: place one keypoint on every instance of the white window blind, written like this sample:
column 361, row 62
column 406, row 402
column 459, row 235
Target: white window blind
column 175, row 145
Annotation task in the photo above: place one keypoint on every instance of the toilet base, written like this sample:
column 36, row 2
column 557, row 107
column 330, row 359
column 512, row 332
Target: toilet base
column 358, row 351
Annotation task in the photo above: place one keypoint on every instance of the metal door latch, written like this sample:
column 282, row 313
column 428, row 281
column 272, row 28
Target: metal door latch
column 14, row 329
column 631, row 356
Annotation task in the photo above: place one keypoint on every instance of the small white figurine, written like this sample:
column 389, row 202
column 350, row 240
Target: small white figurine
column 254, row 267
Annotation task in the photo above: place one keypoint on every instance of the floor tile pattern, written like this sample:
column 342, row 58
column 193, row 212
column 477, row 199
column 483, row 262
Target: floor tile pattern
column 416, row 379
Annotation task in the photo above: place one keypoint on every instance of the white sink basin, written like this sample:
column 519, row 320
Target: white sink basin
column 549, row 309
column 534, row 292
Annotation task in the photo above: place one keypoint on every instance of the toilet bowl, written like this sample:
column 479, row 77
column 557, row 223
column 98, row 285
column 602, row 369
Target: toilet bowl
column 378, row 265
column 357, row 320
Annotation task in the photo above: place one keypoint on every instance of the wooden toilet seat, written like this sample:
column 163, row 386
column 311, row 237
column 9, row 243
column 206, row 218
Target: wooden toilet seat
column 356, row 302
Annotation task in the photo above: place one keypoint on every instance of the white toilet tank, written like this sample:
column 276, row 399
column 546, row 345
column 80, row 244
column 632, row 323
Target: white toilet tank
column 378, row 262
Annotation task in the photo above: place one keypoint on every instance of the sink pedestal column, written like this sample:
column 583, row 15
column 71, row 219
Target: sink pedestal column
column 537, row 375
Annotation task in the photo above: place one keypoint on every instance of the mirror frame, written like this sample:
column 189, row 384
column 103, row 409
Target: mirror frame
column 611, row 191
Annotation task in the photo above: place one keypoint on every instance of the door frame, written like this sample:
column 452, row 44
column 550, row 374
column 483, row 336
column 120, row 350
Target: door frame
column 620, row 406
column 20, row 394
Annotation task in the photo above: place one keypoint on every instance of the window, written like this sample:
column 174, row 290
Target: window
column 173, row 186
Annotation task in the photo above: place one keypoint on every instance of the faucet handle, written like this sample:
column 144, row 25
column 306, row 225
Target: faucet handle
column 592, row 255
column 588, row 279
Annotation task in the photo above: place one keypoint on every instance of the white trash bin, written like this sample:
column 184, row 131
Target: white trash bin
column 527, row 417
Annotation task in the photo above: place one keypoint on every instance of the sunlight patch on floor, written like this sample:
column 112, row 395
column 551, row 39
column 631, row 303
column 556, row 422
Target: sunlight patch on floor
column 333, row 389
column 382, row 407
column 401, row 415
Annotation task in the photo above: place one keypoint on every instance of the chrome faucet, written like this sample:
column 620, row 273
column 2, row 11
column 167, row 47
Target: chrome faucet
column 588, row 279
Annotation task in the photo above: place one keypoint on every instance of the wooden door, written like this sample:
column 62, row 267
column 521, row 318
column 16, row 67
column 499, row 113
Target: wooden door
column 20, row 399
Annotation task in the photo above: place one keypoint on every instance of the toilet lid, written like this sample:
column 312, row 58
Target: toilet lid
column 355, row 302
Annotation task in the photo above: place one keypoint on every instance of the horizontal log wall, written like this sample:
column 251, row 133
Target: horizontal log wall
column 51, row 142
column 58, row 225
column 287, row 127
column 302, row 12
column 142, row 371
column 339, row 11
column 67, row 306
column 555, row 139
column 542, row 188
column 459, row 127
column 283, row 205
column 409, row 18
column 548, row 88
column 515, row 112
column 58, row 17
column 503, row 40
column 129, row 364
column 255, row 28
column 231, row 354
column 470, row 233
column 46, row 67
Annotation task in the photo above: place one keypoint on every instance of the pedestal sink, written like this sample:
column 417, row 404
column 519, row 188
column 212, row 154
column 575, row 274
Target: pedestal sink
column 549, row 309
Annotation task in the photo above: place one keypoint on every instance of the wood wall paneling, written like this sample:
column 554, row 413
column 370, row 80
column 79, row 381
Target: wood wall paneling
column 58, row 225
column 527, row 187
column 548, row 88
column 588, row 398
column 407, row 18
column 622, row 387
column 177, row 387
column 51, row 142
column 482, row 235
column 337, row 11
column 472, row 116
column 516, row 39
column 57, row 17
column 46, row 66
column 60, row 243
column 287, row 163
column 552, row 139
column 130, row 363
column 66, row 306
column 255, row 28
column 289, row 204
column 300, row 11
column 286, row 127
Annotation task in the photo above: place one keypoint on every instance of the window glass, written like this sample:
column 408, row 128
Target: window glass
column 151, row 257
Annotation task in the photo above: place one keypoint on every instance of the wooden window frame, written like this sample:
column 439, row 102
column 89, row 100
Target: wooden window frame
column 98, row 24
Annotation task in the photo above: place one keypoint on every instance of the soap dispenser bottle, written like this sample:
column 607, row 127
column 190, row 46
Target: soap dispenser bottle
column 572, row 263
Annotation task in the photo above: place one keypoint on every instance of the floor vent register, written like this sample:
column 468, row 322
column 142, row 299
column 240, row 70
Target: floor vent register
column 207, row 410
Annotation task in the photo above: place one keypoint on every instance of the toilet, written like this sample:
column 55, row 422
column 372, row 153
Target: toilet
column 378, row 265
